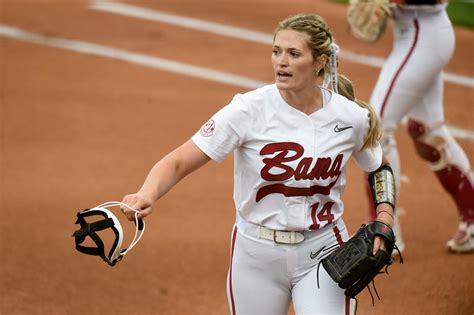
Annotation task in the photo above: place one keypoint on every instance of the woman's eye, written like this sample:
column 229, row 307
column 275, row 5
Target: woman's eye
column 293, row 54
column 275, row 52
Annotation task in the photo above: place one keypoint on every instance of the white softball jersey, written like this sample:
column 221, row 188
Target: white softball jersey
column 289, row 167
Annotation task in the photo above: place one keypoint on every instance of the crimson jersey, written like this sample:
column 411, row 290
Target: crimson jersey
column 289, row 167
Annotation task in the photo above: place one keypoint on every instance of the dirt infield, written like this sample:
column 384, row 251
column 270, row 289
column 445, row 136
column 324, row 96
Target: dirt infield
column 78, row 129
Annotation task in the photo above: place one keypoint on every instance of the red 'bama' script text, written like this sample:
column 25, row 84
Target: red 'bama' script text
column 286, row 152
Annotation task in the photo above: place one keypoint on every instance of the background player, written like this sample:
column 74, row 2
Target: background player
column 411, row 83
column 291, row 142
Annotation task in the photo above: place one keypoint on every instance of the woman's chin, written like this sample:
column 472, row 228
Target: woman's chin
column 282, row 85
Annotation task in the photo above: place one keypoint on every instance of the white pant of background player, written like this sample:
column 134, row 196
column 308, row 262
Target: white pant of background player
column 411, row 84
column 265, row 277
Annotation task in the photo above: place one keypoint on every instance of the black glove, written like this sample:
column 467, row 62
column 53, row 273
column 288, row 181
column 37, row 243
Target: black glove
column 352, row 265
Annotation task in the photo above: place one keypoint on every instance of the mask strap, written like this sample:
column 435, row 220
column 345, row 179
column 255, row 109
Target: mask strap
column 90, row 229
column 139, row 225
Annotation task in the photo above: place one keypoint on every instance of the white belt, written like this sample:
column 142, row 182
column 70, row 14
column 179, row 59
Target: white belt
column 277, row 236
column 281, row 237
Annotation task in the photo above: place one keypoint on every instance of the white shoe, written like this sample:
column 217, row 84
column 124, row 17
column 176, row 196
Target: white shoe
column 463, row 239
column 397, row 230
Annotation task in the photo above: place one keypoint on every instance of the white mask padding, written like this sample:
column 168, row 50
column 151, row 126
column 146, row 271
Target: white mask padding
column 139, row 227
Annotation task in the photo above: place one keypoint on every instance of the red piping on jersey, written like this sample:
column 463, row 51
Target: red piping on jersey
column 231, row 293
column 337, row 233
column 338, row 236
column 412, row 48
column 348, row 306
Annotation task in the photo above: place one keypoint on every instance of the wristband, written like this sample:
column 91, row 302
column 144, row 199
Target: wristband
column 385, row 212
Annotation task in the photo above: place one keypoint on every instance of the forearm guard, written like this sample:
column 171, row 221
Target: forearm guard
column 382, row 186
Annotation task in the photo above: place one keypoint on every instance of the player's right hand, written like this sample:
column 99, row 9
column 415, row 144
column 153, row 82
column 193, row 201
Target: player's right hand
column 140, row 201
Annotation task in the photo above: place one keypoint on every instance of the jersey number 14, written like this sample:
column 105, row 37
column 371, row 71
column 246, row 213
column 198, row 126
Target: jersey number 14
column 322, row 215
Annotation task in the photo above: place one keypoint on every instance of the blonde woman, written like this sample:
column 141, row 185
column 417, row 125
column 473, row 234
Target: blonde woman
column 291, row 142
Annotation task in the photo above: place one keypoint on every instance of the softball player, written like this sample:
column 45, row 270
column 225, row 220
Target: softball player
column 291, row 142
column 411, row 84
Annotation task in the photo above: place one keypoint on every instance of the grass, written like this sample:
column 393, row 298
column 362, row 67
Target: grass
column 461, row 12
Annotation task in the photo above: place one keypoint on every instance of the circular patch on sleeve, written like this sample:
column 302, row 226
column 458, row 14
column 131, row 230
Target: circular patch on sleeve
column 208, row 128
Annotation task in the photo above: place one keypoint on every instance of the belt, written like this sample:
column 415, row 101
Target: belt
column 281, row 237
column 277, row 236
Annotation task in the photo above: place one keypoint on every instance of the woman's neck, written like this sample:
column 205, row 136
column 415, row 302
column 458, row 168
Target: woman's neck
column 307, row 101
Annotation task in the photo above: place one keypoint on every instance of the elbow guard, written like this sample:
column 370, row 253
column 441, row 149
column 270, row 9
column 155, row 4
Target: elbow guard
column 382, row 186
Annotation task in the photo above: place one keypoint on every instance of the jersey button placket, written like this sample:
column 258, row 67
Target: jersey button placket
column 312, row 145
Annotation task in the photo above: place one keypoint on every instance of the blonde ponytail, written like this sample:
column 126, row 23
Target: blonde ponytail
column 345, row 88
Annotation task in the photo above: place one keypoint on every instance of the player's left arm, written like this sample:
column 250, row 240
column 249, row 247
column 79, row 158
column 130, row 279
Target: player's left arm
column 382, row 186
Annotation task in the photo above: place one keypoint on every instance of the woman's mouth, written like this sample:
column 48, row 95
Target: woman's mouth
column 283, row 75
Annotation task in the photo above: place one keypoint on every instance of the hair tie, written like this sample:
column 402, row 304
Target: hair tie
column 332, row 76
column 333, row 65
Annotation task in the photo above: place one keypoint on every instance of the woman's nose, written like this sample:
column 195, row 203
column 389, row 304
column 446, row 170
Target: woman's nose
column 283, row 60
